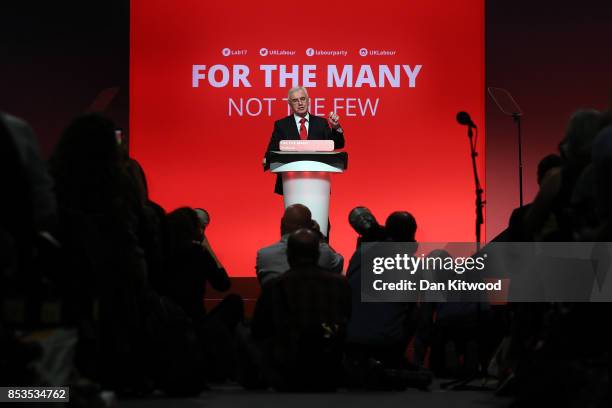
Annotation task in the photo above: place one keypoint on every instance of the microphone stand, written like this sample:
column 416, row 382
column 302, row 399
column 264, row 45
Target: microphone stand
column 479, row 201
column 463, row 383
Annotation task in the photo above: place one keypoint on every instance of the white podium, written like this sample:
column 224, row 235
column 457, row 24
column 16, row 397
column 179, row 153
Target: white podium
column 306, row 179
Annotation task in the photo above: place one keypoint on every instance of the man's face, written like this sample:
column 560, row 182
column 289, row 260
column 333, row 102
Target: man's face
column 362, row 220
column 299, row 102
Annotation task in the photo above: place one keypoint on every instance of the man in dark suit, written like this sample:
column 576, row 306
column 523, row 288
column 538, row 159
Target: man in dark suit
column 302, row 125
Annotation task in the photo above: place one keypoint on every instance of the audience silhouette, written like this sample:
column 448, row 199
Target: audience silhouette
column 85, row 252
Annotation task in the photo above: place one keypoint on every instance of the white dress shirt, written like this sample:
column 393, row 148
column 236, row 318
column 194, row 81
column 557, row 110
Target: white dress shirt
column 297, row 121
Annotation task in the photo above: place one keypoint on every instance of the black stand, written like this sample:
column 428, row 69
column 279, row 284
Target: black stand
column 506, row 103
column 479, row 202
column 517, row 119
column 481, row 373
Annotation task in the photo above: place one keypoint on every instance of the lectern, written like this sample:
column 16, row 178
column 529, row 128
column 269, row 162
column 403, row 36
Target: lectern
column 306, row 179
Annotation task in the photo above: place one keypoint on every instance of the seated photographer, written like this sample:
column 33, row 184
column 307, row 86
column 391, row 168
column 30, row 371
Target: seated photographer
column 190, row 264
column 365, row 224
column 381, row 330
column 299, row 323
column 272, row 260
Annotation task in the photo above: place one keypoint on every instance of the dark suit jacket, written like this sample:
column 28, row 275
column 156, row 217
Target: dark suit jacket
column 304, row 297
column 299, row 325
column 286, row 129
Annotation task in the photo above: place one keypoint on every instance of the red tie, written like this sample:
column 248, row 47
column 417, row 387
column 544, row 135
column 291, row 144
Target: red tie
column 303, row 132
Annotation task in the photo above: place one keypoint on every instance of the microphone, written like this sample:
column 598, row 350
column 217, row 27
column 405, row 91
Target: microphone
column 464, row 119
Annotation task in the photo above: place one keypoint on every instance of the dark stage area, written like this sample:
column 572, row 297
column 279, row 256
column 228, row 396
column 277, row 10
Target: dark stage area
column 235, row 397
column 211, row 204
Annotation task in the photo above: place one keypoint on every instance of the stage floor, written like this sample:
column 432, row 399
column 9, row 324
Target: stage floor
column 235, row 397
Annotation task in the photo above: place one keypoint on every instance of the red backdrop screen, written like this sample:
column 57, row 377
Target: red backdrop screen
column 209, row 78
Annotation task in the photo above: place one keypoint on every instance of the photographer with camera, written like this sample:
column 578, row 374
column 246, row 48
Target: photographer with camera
column 272, row 260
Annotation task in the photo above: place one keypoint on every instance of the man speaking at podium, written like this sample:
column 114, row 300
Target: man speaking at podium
column 301, row 125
